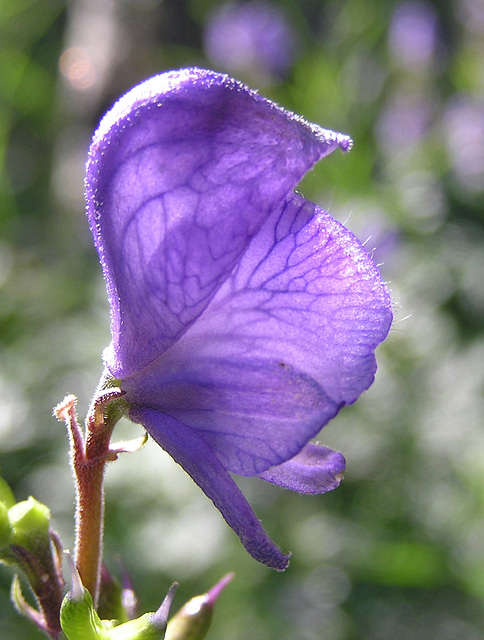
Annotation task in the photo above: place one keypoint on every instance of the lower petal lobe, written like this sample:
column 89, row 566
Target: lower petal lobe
column 313, row 470
column 198, row 460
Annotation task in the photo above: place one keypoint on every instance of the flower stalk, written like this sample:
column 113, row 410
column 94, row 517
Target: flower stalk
column 89, row 456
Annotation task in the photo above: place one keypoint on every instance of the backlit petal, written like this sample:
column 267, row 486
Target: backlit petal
column 288, row 340
column 181, row 174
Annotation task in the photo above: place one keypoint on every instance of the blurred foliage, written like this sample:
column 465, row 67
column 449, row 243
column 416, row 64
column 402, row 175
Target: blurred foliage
column 397, row 551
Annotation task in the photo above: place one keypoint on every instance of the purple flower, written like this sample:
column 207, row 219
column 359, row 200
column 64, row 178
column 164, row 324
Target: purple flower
column 242, row 316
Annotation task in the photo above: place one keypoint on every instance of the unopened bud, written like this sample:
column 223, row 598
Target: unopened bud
column 194, row 618
column 30, row 521
column 150, row 626
column 30, row 549
column 110, row 605
column 5, row 528
column 6, row 494
column 80, row 621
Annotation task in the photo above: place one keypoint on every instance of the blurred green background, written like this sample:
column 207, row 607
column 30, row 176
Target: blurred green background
column 398, row 550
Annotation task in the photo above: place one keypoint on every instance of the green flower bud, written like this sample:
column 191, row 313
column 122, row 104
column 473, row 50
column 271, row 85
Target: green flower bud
column 110, row 603
column 194, row 618
column 80, row 621
column 31, row 550
column 5, row 529
column 30, row 521
column 30, row 541
column 6, row 494
column 192, row 621
column 150, row 626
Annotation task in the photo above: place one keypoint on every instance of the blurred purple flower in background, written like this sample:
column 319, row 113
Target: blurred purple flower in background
column 252, row 38
column 243, row 317
column 413, row 35
column 463, row 131
column 471, row 13
column 404, row 121
column 411, row 108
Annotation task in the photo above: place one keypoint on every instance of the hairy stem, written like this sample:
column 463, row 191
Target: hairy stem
column 89, row 524
column 88, row 460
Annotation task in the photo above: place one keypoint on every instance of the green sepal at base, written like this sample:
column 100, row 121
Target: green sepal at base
column 140, row 629
column 79, row 620
column 150, row 626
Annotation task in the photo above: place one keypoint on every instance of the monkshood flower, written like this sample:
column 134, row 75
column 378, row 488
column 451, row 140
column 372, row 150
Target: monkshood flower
column 243, row 317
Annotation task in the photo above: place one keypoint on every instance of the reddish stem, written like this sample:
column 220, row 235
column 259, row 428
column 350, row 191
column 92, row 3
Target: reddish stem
column 88, row 460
